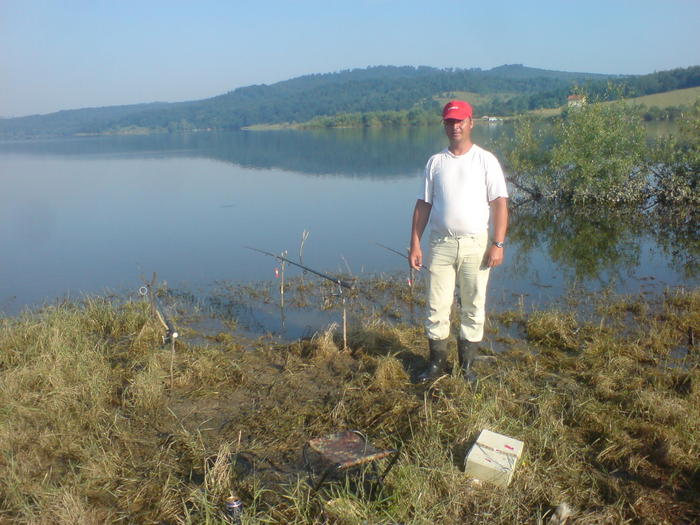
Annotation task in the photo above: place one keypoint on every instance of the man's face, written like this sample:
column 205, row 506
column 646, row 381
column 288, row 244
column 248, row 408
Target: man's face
column 458, row 130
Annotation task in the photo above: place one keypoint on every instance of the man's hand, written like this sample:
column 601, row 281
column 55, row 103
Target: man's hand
column 494, row 256
column 499, row 217
column 421, row 214
column 415, row 258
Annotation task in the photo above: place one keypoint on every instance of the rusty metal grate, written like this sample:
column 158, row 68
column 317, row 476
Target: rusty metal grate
column 346, row 450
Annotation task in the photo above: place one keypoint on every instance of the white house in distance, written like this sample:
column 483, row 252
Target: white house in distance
column 575, row 101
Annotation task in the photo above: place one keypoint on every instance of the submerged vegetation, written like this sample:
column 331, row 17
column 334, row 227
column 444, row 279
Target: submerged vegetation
column 100, row 424
column 590, row 184
column 598, row 154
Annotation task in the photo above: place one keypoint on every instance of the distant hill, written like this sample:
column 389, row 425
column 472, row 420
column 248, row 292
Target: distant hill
column 524, row 72
column 506, row 90
column 71, row 121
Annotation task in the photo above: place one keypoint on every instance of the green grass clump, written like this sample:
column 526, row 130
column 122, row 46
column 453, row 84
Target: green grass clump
column 101, row 424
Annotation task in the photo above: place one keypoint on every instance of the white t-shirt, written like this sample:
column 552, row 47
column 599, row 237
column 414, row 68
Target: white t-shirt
column 459, row 188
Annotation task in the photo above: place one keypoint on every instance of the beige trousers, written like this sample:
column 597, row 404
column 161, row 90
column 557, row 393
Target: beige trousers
column 458, row 260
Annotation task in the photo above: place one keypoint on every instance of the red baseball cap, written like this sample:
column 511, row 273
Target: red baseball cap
column 457, row 109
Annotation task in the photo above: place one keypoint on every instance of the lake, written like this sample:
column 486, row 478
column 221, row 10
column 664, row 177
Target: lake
column 94, row 214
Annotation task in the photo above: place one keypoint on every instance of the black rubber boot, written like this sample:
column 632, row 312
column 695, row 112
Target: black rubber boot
column 466, row 352
column 438, row 358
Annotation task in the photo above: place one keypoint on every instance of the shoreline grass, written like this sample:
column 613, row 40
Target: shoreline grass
column 94, row 429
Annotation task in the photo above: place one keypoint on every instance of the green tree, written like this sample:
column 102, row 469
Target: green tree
column 528, row 160
column 598, row 153
column 595, row 154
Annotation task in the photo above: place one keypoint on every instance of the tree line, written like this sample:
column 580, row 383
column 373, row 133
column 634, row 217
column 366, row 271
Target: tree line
column 361, row 97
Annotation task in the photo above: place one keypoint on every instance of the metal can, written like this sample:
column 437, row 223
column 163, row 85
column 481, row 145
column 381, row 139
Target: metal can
column 233, row 507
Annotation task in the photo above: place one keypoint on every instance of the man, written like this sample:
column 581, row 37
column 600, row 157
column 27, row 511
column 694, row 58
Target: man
column 464, row 186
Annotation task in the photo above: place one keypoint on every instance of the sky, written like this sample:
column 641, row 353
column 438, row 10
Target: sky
column 62, row 54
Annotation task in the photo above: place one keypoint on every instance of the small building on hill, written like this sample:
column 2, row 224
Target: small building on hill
column 575, row 101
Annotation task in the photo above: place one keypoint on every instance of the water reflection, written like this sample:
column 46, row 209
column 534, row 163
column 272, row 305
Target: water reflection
column 677, row 232
column 367, row 152
column 591, row 243
column 582, row 242
column 86, row 214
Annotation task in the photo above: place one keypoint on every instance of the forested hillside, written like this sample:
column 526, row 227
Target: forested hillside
column 510, row 89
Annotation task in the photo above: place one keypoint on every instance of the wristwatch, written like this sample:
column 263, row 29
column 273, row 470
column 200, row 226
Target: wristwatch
column 497, row 244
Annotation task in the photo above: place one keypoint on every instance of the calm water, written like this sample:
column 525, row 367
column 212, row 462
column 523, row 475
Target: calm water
column 86, row 215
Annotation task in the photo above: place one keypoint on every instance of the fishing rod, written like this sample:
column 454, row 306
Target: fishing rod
column 340, row 282
column 397, row 253
column 147, row 290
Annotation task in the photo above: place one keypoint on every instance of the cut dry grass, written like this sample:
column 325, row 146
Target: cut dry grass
column 676, row 97
column 93, row 428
